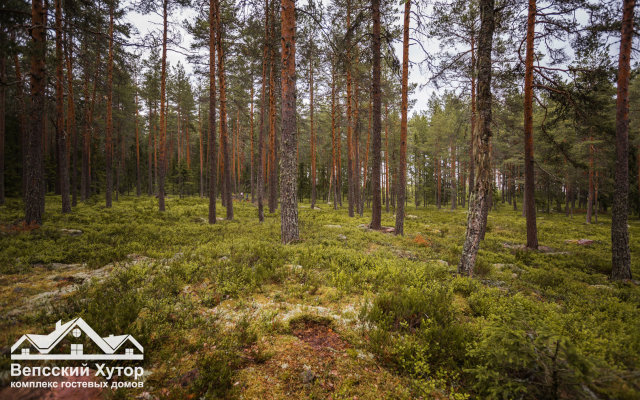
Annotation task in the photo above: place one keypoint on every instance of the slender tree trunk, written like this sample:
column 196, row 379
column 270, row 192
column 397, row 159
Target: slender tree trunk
column 24, row 129
column 529, row 181
column 402, row 164
column 2, row 111
column 61, row 133
column 273, row 185
column 334, row 160
column 386, row 156
column 200, row 150
column 71, row 119
column 85, row 176
column 438, row 183
column 223, row 116
column 596, row 198
column 473, row 113
column 590, row 196
column 313, row 137
column 263, row 115
column 252, row 167
column 376, row 207
column 108, row 146
column 150, row 153
column 211, row 148
column 356, row 144
column 288, row 170
column 454, row 189
column 138, row 177
column 621, row 256
column 366, row 157
column 162, row 170
column 482, row 185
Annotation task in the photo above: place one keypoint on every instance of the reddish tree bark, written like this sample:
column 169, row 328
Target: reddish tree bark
column 334, row 144
column 620, row 253
column 402, row 162
column 263, row 116
column 61, row 132
column 313, row 135
column 273, row 185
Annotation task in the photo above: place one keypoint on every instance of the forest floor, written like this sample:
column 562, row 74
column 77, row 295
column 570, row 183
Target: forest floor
column 226, row 311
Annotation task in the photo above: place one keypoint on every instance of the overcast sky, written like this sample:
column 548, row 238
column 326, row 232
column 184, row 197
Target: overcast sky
column 153, row 22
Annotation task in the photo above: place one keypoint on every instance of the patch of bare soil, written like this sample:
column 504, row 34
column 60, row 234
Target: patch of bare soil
column 319, row 336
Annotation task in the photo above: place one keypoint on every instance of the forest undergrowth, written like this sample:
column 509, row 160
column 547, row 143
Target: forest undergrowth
column 226, row 311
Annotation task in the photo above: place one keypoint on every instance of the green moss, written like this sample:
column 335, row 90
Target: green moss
column 529, row 325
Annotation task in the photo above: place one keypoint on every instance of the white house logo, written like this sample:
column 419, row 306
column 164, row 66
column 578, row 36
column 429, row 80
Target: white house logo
column 42, row 347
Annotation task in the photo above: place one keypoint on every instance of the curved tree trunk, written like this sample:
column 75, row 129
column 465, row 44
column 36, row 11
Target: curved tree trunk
column 480, row 193
column 621, row 256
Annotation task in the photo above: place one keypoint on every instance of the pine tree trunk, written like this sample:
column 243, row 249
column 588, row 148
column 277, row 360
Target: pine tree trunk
column 529, row 181
column 252, row 175
column 200, row 150
column 273, row 185
column 138, row 177
column 211, row 148
column 482, row 185
column 356, row 145
column 162, row 169
column 224, row 144
column 386, row 156
column 402, row 163
column 288, row 170
column 71, row 118
column 2, row 110
column 108, row 145
column 454, row 189
column 334, row 160
column 312, row 138
column 376, row 208
column 590, row 195
column 22, row 110
column 61, row 133
column 263, row 116
column 621, row 256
